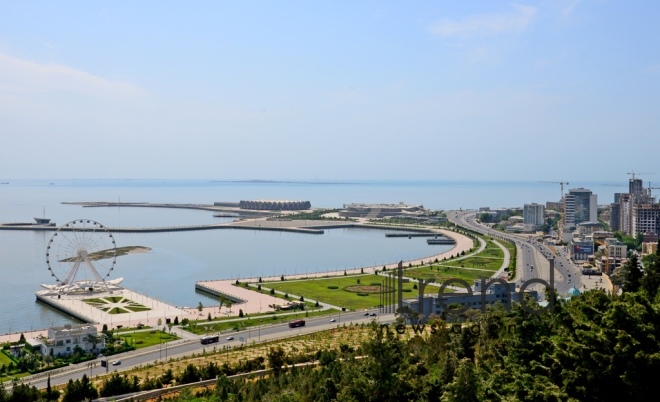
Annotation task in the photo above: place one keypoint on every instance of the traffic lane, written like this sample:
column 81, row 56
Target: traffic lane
column 129, row 361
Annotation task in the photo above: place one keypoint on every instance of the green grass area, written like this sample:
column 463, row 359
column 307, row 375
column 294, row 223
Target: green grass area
column 143, row 339
column 318, row 289
column 206, row 327
column 445, row 273
column 4, row 359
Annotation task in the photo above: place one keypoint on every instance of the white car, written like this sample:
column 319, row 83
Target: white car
column 333, row 320
column 230, row 338
column 116, row 363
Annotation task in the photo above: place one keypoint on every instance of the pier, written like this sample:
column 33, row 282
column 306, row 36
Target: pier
column 249, row 226
column 441, row 241
column 138, row 308
column 412, row 235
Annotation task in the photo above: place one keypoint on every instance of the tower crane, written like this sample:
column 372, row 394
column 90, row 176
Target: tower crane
column 633, row 174
column 652, row 188
column 561, row 198
column 561, row 183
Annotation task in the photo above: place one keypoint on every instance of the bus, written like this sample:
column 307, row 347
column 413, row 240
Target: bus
column 297, row 323
column 210, row 339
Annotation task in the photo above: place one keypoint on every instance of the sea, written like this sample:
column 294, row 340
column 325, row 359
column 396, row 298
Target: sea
column 178, row 259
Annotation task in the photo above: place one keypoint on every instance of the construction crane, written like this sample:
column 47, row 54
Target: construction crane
column 652, row 188
column 561, row 183
column 633, row 174
column 561, row 199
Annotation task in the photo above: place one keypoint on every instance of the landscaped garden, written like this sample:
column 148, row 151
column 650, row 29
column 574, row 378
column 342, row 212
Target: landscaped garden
column 351, row 291
column 116, row 305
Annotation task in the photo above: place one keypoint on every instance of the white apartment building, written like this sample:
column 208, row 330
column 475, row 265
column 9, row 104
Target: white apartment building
column 533, row 216
column 63, row 340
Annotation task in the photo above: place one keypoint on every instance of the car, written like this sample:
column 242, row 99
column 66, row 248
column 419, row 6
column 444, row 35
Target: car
column 366, row 314
column 116, row 363
column 373, row 314
column 230, row 338
column 332, row 320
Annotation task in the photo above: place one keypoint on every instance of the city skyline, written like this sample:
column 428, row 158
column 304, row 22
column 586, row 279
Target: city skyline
column 298, row 91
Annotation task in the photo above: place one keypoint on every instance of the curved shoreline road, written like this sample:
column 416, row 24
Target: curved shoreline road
column 535, row 260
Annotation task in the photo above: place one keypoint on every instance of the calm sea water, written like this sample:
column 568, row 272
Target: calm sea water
column 179, row 259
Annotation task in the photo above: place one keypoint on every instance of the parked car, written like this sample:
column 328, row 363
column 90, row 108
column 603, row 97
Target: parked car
column 230, row 338
column 332, row 320
column 116, row 363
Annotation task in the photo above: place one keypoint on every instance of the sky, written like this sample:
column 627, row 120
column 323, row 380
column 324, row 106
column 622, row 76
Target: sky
column 310, row 90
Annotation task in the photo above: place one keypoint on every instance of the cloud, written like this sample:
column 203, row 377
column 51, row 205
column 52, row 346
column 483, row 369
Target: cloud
column 27, row 77
column 493, row 24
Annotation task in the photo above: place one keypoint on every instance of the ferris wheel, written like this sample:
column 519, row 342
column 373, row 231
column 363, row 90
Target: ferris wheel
column 80, row 256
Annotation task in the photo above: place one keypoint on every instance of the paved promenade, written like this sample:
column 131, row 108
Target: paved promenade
column 257, row 302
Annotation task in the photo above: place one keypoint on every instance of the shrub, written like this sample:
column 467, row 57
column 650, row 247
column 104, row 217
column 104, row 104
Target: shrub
column 272, row 291
column 363, row 294
column 333, row 287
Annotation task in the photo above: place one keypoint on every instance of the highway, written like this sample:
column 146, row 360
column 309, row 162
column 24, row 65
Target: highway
column 188, row 347
column 535, row 260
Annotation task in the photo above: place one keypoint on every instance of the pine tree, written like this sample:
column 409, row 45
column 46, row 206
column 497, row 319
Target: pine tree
column 651, row 280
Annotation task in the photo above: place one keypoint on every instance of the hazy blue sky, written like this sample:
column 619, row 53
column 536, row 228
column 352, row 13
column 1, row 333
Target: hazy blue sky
column 538, row 90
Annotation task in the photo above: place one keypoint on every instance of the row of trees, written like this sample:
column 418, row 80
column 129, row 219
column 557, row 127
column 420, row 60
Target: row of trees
column 593, row 347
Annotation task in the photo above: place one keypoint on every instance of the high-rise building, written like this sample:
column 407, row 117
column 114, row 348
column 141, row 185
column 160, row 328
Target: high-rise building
column 636, row 187
column 646, row 218
column 581, row 205
column 615, row 216
column 533, row 215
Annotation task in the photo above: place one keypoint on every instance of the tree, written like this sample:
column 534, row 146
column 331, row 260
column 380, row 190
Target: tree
column 272, row 291
column 176, row 320
column 200, row 307
column 629, row 275
column 240, row 313
column 650, row 283
column 221, row 299
column 209, row 317
column 160, row 320
column 276, row 359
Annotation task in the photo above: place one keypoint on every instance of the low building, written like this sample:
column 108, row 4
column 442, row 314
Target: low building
column 275, row 205
column 588, row 228
column 649, row 248
column 496, row 292
column 580, row 249
column 375, row 211
column 616, row 248
column 61, row 341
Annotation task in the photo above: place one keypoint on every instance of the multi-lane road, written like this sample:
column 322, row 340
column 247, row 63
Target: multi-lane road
column 184, row 348
column 535, row 260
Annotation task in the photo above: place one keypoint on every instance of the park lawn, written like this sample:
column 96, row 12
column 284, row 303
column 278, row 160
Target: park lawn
column 147, row 337
column 446, row 273
column 317, row 289
column 4, row 359
column 492, row 250
column 491, row 264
